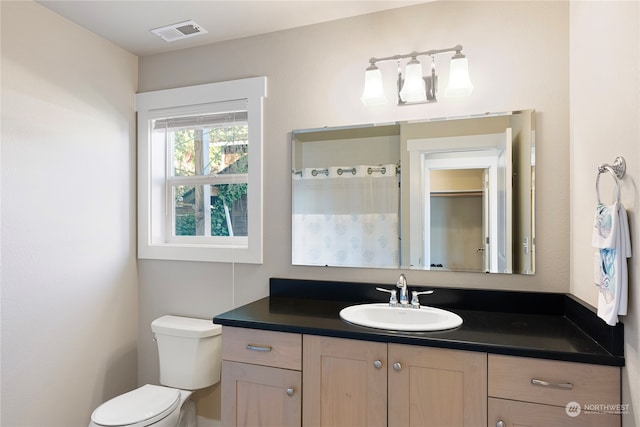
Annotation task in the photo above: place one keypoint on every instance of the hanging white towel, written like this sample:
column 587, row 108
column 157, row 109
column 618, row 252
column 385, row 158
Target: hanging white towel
column 611, row 237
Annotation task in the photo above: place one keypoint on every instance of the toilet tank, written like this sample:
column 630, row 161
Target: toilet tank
column 189, row 351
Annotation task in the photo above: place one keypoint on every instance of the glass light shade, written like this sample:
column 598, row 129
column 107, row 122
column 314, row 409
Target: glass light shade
column 459, row 81
column 413, row 88
column 373, row 93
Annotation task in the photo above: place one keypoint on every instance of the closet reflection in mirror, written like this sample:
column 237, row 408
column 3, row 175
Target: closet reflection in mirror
column 452, row 194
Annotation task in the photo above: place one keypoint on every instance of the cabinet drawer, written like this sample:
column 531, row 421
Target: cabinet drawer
column 523, row 414
column 268, row 348
column 552, row 382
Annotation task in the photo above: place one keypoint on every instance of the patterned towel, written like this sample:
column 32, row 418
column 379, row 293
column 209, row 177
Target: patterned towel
column 611, row 237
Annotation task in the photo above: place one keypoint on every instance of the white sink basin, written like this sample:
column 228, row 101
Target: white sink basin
column 381, row 316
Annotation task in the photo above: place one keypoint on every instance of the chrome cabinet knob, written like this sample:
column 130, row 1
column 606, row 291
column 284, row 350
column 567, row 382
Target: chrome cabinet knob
column 501, row 424
column 377, row 364
column 397, row 367
column 290, row 391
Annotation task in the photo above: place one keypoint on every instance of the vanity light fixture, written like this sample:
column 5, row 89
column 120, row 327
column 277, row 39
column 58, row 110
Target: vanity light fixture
column 373, row 87
column 413, row 87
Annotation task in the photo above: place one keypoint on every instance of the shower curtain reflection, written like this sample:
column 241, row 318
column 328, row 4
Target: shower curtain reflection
column 346, row 216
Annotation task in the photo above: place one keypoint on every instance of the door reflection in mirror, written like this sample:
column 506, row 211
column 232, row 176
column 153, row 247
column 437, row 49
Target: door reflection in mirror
column 466, row 199
column 458, row 206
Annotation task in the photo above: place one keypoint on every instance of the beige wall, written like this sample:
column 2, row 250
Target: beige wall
column 69, row 284
column 68, row 269
column 605, row 123
column 315, row 76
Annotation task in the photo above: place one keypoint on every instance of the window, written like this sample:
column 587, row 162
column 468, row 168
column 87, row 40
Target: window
column 200, row 172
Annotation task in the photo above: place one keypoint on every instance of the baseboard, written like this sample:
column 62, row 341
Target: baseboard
column 208, row 422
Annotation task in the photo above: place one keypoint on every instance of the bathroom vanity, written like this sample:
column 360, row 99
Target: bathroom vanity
column 519, row 358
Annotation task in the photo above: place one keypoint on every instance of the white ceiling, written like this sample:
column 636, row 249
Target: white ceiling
column 127, row 23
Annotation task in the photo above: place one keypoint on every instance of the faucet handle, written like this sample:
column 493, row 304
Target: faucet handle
column 393, row 298
column 415, row 301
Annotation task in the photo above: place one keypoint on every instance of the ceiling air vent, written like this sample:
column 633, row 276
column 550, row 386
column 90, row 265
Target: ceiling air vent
column 181, row 30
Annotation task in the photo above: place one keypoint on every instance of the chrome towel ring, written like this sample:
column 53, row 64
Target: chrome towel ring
column 618, row 169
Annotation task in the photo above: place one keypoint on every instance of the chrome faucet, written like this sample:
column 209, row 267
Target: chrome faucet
column 404, row 294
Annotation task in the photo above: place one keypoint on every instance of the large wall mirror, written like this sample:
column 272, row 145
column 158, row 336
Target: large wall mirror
column 454, row 194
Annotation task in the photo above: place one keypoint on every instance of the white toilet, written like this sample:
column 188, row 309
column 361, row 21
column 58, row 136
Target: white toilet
column 190, row 359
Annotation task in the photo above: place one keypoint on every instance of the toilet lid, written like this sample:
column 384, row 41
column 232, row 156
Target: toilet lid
column 142, row 406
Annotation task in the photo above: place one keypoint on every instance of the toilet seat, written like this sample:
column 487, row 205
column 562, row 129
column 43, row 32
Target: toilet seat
column 137, row 408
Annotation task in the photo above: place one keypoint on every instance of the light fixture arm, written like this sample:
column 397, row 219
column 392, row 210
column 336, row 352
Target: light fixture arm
column 457, row 49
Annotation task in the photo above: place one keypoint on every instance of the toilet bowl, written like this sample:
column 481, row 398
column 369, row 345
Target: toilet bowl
column 149, row 405
column 190, row 358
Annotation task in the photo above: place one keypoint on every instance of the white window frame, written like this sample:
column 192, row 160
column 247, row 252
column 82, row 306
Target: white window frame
column 153, row 241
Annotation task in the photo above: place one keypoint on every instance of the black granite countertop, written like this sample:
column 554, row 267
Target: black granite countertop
column 555, row 333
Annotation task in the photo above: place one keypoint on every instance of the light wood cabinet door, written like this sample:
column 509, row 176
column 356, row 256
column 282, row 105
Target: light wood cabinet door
column 260, row 396
column 511, row 413
column 432, row 387
column 345, row 383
